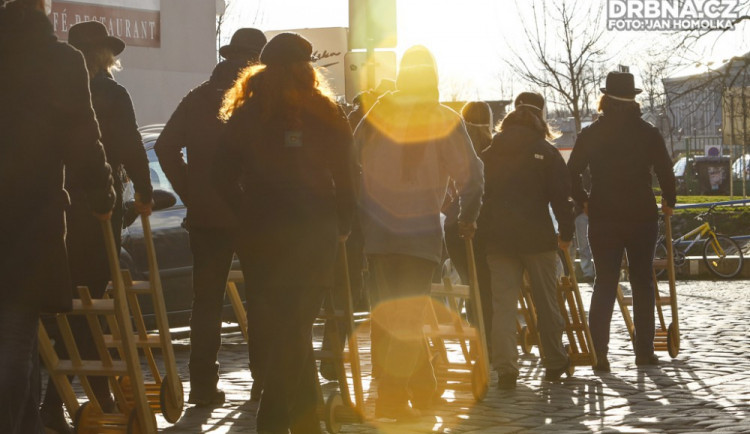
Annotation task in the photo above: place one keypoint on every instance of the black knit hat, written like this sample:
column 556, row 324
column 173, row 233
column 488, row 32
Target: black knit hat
column 286, row 48
column 532, row 100
column 621, row 85
column 246, row 42
column 93, row 34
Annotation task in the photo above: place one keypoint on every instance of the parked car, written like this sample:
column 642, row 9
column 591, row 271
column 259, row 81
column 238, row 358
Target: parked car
column 684, row 172
column 171, row 241
column 737, row 168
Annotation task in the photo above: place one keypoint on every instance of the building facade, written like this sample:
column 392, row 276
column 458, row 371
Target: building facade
column 694, row 103
column 171, row 46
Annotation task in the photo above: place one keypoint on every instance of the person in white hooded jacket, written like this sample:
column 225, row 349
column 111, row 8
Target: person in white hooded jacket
column 409, row 146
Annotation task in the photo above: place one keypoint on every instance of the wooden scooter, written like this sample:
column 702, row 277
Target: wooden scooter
column 133, row 413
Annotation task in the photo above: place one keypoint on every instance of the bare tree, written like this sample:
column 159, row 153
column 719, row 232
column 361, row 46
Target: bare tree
column 229, row 17
column 506, row 85
column 222, row 6
column 566, row 66
column 653, row 68
column 739, row 25
column 596, row 75
column 457, row 89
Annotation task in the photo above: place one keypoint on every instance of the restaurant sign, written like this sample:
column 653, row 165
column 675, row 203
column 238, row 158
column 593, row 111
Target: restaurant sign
column 137, row 22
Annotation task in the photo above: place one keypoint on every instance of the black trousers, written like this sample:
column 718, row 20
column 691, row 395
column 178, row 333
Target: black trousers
column 213, row 250
column 456, row 247
column 608, row 242
column 355, row 260
column 403, row 287
column 19, row 370
column 290, row 395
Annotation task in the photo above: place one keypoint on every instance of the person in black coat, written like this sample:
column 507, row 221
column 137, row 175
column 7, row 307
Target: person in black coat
column 195, row 126
column 621, row 150
column 47, row 126
column 478, row 118
column 125, row 153
column 284, row 167
column 524, row 175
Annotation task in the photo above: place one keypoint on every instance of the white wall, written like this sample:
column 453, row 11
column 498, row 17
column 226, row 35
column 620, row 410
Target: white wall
column 158, row 78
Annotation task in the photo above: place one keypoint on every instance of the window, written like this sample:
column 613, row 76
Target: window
column 158, row 178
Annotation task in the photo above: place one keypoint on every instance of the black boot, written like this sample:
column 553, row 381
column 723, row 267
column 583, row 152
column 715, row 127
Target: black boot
column 602, row 363
column 54, row 419
column 647, row 360
column 206, row 398
column 554, row 374
column 506, row 381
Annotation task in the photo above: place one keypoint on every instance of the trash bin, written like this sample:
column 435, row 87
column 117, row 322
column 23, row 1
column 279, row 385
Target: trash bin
column 713, row 175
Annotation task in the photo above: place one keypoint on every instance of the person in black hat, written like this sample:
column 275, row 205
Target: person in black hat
column 48, row 133
column 195, row 126
column 621, row 149
column 524, row 176
column 127, row 157
column 288, row 145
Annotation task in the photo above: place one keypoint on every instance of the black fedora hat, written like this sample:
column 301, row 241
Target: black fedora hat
column 93, row 34
column 246, row 42
column 621, row 85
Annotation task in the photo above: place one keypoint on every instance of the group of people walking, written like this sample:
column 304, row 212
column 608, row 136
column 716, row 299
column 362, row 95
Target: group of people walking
column 276, row 175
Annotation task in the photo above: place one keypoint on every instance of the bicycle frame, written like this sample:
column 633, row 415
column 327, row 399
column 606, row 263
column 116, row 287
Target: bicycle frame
column 698, row 233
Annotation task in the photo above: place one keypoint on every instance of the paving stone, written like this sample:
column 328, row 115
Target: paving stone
column 706, row 388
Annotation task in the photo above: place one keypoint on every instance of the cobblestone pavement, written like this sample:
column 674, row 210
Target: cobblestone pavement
column 706, row 388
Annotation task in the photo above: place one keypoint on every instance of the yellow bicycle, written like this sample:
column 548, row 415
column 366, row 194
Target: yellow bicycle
column 722, row 255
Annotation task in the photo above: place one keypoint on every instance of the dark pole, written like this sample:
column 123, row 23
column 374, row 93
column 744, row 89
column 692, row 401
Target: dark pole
column 743, row 164
column 731, row 119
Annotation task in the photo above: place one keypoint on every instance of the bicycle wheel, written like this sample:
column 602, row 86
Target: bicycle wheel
column 660, row 255
column 723, row 256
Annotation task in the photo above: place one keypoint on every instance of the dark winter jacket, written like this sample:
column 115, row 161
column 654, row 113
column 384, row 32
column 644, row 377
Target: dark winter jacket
column 46, row 121
column 125, row 154
column 620, row 156
column 195, row 125
column 524, row 175
column 296, row 193
column 480, row 139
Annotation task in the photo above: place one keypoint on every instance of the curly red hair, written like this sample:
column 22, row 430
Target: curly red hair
column 281, row 90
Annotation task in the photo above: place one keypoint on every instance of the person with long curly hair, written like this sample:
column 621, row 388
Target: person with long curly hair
column 284, row 167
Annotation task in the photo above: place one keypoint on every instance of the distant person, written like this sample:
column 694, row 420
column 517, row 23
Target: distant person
column 195, row 126
column 47, row 128
column 125, row 153
column 364, row 101
column 477, row 116
column 409, row 145
column 524, row 176
column 284, row 167
column 621, row 149
column 354, row 245
column 582, row 235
